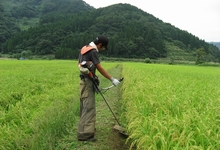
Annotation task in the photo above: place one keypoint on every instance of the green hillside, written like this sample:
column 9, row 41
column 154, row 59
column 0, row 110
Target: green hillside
column 19, row 15
column 133, row 33
column 216, row 44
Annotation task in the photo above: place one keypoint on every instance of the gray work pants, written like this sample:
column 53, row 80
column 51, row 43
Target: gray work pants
column 86, row 125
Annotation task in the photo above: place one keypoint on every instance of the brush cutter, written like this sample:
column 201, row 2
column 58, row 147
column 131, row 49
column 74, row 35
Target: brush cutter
column 107, row 88
column 118, row 127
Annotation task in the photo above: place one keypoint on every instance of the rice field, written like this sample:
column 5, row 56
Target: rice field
column 39, row 104
column 172, row 107
column 164, row 107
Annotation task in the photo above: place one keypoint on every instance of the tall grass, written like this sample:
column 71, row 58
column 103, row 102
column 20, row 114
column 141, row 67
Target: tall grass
column 172, row 107
column 167, row 107
column 39, row 103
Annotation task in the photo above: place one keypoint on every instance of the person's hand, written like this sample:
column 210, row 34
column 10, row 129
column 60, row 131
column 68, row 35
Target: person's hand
column 115, row 82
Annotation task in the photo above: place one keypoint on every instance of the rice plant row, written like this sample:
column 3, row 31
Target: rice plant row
column 172, row 107
column 38, row 103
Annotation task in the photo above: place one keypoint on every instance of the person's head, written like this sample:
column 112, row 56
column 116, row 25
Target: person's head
column 101, row 42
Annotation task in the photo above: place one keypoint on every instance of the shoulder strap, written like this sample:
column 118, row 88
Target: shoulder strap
column 86, row 49
column 83, row 51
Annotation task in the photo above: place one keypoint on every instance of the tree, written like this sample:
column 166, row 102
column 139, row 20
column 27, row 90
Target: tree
column 26, row 54
column 200, row 55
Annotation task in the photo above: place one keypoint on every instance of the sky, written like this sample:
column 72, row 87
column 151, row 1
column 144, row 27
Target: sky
column 198, row 17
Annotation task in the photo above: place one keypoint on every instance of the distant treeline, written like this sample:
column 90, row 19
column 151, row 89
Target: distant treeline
column 133, row 33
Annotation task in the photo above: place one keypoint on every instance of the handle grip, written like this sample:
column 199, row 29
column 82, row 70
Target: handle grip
column 121, row 79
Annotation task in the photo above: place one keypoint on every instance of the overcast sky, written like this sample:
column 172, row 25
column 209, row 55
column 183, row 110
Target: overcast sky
column 199, row 17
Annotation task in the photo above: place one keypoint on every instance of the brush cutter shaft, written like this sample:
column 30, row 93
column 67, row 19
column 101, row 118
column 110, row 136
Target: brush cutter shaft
column 109, row 108
column 99, row 91
column 107, row 88
column 116, row 127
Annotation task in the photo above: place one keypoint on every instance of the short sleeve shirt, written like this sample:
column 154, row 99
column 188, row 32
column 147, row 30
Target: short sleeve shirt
column 92, row 56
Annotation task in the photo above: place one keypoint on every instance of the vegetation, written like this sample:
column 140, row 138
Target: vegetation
column 16, row 16
column 200, row 55
column 39, row 106
column 171, row 107
column 216, row 44
column 37, row 103
column 62, row 32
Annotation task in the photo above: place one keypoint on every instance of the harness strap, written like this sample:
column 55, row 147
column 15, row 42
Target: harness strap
column 86, row 49
column 83, row 51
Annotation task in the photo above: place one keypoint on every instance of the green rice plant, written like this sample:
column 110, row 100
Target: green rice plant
column 39, row 104
column 171, row 107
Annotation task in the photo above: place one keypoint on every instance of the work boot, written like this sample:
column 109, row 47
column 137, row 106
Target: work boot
column 88, row 140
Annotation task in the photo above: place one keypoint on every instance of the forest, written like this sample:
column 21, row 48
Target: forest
column 62, row 27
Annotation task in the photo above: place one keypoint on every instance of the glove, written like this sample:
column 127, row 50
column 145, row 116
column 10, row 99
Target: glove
column 83, row 70
column 115, row 82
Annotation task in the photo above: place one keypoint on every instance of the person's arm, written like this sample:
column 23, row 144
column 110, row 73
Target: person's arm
column 103, row 71
column 106, row 74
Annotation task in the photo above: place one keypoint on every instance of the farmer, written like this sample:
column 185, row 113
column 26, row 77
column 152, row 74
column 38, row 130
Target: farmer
column 89, row 54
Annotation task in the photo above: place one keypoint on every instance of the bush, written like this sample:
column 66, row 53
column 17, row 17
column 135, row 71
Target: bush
column 147, row 60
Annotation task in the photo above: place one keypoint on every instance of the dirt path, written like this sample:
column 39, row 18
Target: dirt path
column 108, row 139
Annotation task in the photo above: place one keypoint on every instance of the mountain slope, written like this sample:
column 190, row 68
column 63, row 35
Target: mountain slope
column 216, row 44
column 20, row 15
column 133, row 33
